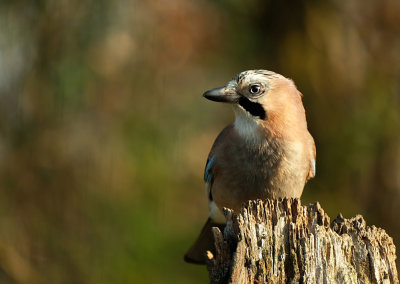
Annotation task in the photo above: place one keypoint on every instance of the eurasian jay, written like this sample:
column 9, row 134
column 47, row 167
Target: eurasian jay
column 267, row 152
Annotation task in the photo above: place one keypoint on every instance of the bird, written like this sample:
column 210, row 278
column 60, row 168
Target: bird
column 266, row 153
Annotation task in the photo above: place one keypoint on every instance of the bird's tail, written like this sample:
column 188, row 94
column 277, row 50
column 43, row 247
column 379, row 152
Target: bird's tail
column 197, row 253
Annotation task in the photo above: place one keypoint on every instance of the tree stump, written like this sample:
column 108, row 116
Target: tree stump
column 280, row 241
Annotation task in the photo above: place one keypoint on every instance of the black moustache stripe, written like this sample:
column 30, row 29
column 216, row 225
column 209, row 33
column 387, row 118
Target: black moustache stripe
column 254, row 108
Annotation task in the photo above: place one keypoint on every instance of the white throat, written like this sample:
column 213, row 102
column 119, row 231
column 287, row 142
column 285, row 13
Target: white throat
column 246, row 125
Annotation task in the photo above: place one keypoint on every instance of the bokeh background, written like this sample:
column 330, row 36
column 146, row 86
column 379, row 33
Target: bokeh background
column 104, row 133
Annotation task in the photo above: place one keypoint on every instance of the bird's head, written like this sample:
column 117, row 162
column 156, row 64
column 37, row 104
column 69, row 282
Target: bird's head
column 261, row 97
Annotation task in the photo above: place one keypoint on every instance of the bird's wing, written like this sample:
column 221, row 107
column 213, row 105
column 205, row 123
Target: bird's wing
column 211, row 171
column 205, row 242
column 312, row 171
column 209, row 175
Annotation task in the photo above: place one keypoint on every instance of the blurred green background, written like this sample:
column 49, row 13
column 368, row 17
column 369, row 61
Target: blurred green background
column 104, row 133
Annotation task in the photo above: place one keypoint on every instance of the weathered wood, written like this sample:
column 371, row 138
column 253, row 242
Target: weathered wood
column 280, row 241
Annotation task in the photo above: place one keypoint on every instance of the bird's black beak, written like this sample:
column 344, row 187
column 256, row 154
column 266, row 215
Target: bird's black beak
column 222, row 95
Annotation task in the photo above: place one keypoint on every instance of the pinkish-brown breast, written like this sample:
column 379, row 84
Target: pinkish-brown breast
column 244, row 171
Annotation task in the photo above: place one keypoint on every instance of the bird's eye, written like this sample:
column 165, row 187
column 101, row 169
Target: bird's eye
column 255, row 89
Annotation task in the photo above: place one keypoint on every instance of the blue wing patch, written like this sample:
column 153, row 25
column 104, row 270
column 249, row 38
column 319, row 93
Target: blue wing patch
column 208, row 175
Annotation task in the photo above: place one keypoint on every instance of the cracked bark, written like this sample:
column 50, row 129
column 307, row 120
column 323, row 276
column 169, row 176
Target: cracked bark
column 280, row 241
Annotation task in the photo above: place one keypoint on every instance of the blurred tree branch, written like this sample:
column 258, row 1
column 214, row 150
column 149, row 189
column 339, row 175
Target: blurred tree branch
column 15, row 266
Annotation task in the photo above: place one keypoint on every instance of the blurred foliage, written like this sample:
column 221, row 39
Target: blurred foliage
column 104, row 134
